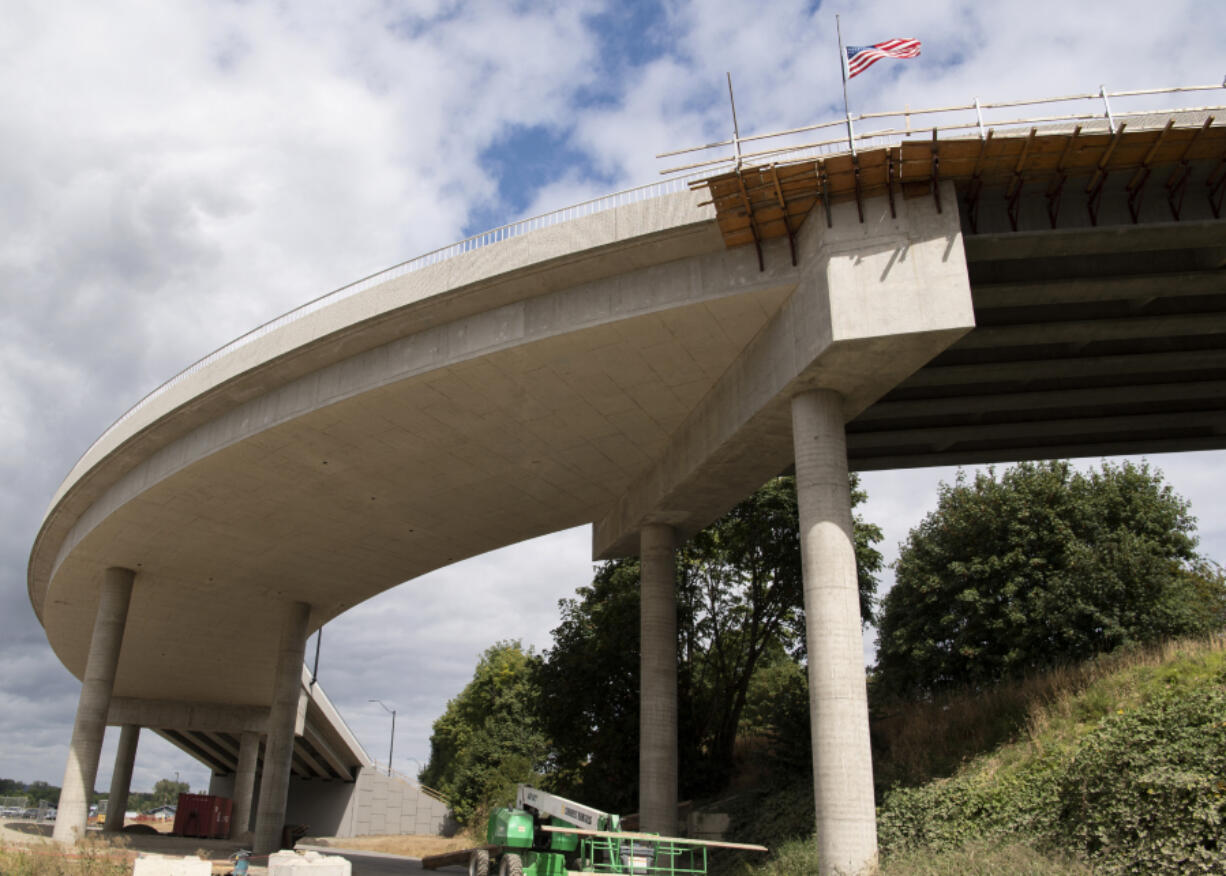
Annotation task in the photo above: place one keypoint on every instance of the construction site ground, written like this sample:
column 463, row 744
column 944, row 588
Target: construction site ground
column 38, row 837
column 410, row 846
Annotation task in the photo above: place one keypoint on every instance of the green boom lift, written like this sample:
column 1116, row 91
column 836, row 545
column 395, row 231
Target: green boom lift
column 547, row 835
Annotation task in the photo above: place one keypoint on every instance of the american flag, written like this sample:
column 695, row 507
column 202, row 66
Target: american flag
column 860, row 58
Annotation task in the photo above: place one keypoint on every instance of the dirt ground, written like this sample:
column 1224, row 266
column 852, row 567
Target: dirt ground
column 412, row 846
column 218, row 852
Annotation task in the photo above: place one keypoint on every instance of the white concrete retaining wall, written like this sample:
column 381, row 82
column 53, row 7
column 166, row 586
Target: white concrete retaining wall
column 374, row 804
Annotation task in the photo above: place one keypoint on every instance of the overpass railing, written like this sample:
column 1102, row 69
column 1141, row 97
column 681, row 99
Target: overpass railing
column 946, row 119
column 976, row 117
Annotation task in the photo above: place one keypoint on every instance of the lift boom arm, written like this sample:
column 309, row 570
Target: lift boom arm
column 565, row 810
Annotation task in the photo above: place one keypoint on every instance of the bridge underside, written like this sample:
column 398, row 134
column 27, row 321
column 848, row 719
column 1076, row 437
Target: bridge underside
column 1092, row 341
column 212, row 732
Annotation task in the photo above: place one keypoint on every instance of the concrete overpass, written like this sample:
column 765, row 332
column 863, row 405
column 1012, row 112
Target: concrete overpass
column 641, row 368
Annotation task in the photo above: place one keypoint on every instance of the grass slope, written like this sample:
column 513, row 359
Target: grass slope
column 1114, row 766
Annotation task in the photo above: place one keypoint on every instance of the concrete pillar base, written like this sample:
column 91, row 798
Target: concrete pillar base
column 94, row 704
column 121, row 778
column 244, row 785
column 279, row 752
column 838, row 701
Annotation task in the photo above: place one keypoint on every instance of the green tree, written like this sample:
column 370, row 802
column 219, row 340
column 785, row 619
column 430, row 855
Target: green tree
column 739, row 598
column 40, row 791
column 1042, row 565
column 166, row 792
column 488, row 739
column 589, row 689
column 777, row 713
column 741, row 594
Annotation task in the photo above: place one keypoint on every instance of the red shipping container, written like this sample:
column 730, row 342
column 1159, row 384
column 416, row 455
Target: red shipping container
column 203, row 816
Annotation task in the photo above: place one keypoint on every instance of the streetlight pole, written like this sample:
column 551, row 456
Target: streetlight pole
column 391, row 745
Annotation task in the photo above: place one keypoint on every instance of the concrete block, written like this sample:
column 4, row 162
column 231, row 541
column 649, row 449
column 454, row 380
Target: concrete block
column 166, row 865
column 286, row 863
column 709, row 825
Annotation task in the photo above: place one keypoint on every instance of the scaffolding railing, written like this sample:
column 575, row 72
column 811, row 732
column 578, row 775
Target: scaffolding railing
column 977, row 116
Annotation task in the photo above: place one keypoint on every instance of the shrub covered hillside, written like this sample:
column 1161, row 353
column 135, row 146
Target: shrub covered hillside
column 1114, row 766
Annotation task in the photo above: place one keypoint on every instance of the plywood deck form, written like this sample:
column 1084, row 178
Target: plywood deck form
column 768, row 201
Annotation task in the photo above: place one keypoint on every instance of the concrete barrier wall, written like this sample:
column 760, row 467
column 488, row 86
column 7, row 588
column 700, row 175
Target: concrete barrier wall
column 374, row 804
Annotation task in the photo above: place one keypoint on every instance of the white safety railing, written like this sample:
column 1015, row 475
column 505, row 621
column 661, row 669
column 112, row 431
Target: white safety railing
column 977, row 117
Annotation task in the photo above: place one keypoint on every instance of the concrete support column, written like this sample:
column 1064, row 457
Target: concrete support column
column 279, row 751
column 838, row 702
column 121, row 778
column 95, row 702
column 244, row 784
column 658, row 681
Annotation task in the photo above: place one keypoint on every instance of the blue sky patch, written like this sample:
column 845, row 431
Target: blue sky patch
column 630, row 35
column 524, row 160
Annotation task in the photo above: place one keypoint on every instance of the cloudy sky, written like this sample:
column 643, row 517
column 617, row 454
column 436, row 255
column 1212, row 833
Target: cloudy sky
column 173, row 174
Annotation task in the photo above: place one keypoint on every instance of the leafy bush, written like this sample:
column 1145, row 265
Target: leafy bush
column 974, row 806
column 792, row 858
column 1146, row 792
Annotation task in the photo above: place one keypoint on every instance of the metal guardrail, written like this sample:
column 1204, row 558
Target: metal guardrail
column 680, row 182
column 961, row 118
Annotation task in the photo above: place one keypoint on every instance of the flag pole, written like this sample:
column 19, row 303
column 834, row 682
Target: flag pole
column 736, row 129
column 851, row 137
